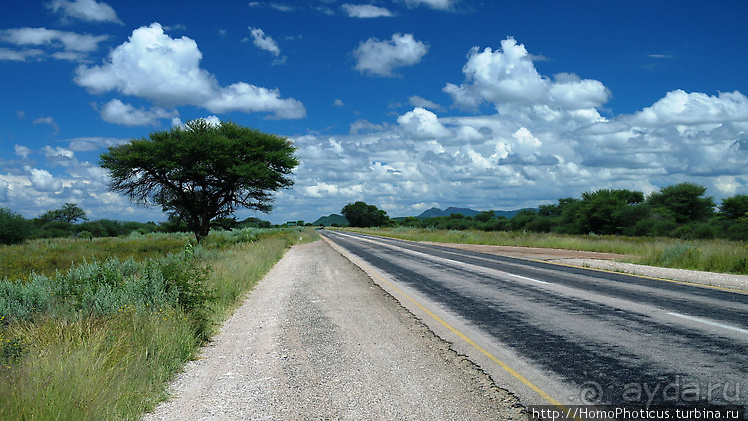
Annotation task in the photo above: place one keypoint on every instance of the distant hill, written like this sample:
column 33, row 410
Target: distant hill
column 430, row 213
column 329, row 220
column 435, row 212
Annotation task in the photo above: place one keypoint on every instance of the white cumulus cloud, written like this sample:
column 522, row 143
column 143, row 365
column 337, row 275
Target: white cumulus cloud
column 167, row 72
column 116, row 111
column 43, row 181
column 423, row 124
column 509, row 75
column 86, row 10
column 366, row 11
column 249, row 98
column 380, row 58
column 545, row 140
column 680, row 107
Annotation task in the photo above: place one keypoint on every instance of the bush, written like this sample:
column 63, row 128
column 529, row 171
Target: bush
column 738, row 231
column 102, row 288
column 21, row 300
column 651, row 227
column 14, row 228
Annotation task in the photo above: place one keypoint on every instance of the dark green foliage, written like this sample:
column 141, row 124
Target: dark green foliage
column 225, row 223
column 738, row 231
column 485, row 216
column 735, row 207
column 14, row 228
column 608, row 211
column 523, row 218
column 682, row 202
column 360, row 214
column 69, row 213
column 332, row 220
column 202, row 172
column 679, row 211
column 188, row 282
column 500, row 223
column 254, row 223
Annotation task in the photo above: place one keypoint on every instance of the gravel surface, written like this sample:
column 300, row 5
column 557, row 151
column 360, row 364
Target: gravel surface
column 317, row 339
column 739, row 282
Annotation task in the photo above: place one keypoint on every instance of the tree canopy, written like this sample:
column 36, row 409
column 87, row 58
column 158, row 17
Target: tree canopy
column 203, row 171
column 360, row 214
column 682, row 202
column 69, row 213
column 735, row 207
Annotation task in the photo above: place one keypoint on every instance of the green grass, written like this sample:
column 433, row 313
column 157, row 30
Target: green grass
column 108, row 352
column 706, row 255
column 46, row 256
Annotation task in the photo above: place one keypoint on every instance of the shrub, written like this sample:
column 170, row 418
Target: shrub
column 738, row 231
column 21, row 300
column 14, row 228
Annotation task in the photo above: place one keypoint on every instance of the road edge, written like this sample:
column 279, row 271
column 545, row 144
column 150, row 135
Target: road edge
column 449, row 345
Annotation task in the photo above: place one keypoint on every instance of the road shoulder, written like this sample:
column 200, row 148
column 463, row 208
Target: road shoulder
column 608, row 261
column 318, row 339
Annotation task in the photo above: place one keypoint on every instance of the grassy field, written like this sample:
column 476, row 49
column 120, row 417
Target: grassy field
column 707, row 255
column 91, row 336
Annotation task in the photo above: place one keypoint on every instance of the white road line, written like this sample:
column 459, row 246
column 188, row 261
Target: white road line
column 530, row 279
column 709, row 322
column 444, row 259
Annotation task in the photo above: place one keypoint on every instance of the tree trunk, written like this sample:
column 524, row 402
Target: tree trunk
column 202, row 232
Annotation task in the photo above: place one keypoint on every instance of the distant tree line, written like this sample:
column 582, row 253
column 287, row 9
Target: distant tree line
column 681, row 211
column 71, row 221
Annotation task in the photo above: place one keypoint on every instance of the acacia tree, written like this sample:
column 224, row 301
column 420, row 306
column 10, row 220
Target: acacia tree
column 68, row 213
column 203, row 171
column 684, row 203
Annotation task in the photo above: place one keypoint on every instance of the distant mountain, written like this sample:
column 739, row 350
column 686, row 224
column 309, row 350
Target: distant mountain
column 340, row 220
column 463, row 211
column 430, row 213
column 330, row 220
column 435, row 212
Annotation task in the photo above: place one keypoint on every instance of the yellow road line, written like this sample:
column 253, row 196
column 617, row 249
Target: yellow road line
column 461, row 335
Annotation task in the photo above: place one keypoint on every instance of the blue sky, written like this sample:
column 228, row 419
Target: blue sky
column 404, row 104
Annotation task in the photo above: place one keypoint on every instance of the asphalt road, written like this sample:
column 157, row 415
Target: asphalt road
column 555, row 334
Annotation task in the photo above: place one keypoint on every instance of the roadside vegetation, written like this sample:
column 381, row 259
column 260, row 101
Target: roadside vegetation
column 95, row 329
column 70, row 221
column 681, row 211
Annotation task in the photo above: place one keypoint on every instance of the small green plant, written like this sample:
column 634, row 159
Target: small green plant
column 11, row 350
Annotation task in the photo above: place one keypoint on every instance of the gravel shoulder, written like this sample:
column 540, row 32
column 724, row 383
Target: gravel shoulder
column 317, row 339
